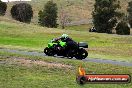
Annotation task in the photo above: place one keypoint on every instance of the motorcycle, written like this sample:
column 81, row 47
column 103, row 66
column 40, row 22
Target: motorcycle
column 59, row 48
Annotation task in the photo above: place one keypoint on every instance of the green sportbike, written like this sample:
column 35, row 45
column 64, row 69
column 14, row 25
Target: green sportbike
column 59, row 48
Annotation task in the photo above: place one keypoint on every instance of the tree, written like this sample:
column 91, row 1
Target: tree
column 129, row 9
column 48, row 16
column 122, row 28
column 105, row 15
column 3, row 7
column 64, row 17
column 22, row 12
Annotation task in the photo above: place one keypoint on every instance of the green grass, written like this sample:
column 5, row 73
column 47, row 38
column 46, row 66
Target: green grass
column 79, row 27
column 16, row 35
column 16, row 75
column 32, row 37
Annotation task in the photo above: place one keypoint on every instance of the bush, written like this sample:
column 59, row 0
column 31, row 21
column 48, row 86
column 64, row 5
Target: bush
column 129, row 10
column 122, row 28
column 22, row 12
column 3, row 7
column 48, row 17
column 105, row 14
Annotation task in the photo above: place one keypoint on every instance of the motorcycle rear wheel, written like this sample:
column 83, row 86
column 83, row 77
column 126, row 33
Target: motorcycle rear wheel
column 81, row 54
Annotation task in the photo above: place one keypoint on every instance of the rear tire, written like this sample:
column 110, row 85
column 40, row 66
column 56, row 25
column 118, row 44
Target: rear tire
column 81, row 54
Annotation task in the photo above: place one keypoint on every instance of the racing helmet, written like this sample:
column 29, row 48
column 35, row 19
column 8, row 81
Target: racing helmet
column 64, row 36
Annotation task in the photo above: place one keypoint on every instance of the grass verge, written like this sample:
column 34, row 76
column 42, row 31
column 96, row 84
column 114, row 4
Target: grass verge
column 18, row 75
column 32, row 37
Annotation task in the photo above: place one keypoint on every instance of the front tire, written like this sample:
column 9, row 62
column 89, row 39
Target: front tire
column 49, row 51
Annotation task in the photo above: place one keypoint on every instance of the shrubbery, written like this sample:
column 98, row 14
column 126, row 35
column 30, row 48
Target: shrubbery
column 22, row 12
column 105, row 14
column 129, row 9
column 122, row 28
column 3, row 7
column 48, row 16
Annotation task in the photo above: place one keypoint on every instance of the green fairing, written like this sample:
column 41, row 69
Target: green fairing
column 51, row 45
column 63, row 44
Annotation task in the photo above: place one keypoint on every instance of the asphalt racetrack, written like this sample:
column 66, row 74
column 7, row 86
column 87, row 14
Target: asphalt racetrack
column 121, row 63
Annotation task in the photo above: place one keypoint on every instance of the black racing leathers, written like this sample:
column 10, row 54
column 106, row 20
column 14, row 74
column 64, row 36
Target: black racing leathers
column 71, row 44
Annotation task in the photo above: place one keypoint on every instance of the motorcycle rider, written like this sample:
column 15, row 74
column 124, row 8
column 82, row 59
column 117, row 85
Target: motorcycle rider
column 66, row 47
column 71, row 44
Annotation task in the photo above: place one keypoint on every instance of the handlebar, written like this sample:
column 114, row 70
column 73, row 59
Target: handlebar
column 54, row 41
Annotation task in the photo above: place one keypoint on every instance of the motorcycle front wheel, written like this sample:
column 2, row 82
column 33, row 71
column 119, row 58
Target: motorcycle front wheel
column 49, row 51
